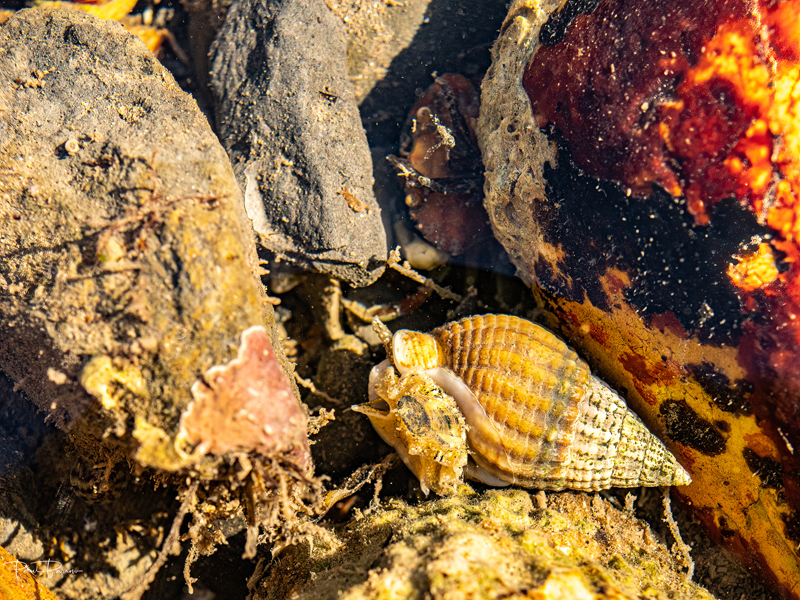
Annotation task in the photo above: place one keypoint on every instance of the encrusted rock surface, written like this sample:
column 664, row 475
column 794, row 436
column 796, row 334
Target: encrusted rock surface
column 499, row 544
column 655, row 214
column 132, row 315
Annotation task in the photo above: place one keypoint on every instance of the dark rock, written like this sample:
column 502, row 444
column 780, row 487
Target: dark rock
column 286, row 111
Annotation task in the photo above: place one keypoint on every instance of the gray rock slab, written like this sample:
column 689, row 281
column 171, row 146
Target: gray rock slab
column 287, row 115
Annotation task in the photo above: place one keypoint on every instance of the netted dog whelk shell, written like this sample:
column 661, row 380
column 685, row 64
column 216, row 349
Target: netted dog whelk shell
column 504, row 401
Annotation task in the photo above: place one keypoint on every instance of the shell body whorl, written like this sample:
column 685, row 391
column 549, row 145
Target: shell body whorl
column 536, row 416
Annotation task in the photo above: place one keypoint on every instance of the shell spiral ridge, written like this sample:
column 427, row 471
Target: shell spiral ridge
column 534, row 414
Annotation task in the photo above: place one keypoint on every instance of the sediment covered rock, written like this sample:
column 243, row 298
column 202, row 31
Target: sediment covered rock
column 129, row 265
column 494, row 545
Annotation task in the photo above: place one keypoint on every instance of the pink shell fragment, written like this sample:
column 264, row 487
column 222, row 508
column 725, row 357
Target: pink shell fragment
column 248, row 405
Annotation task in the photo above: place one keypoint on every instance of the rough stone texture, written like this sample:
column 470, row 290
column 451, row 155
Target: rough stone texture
column 128, row 262
column 287, row 114
column 508, row 136
column 494, row 545
column 455, row 37
column 376, row 33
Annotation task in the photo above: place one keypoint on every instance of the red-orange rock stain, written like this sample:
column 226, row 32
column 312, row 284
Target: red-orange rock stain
column 615, row 286
column 761, row 445
column 769, row 353
column 646, row 375
column 699, row 99
column 667, row 321
column 702, row 100
column 606, row 83
column 600, row 335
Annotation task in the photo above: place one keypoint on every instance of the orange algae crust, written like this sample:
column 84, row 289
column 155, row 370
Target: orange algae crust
column 754, row 270
column 705, row 101
column 741, row 490
column 17, row 579
column 707, row 107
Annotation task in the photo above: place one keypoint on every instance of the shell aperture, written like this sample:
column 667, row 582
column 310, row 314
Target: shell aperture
column 530, row 409
column 422, row 423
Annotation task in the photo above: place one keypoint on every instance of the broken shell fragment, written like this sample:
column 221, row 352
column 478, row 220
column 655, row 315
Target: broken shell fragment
column 535, row 414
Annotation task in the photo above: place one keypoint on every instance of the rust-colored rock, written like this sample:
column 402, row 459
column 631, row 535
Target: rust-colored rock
column 642, row 169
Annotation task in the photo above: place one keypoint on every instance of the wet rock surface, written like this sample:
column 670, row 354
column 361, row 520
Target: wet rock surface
column 377, row 32
column 287, row 114
column 58, row 501
column 677, row 286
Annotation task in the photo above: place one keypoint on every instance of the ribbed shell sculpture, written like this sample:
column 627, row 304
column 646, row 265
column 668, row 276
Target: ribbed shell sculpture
column 504, row 401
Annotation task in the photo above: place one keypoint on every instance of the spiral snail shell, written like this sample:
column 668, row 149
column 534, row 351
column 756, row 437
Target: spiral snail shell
column 504, row 401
